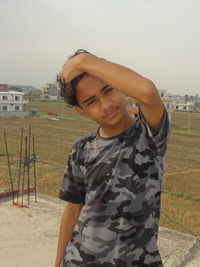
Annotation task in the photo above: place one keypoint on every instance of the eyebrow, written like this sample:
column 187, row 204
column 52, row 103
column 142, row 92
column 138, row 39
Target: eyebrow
column 92, row 97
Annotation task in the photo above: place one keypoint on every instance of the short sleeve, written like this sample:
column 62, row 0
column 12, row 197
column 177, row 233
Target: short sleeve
column 158, row 141
column 72, row 187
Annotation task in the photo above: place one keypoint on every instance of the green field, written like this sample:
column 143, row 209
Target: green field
column 53, row 139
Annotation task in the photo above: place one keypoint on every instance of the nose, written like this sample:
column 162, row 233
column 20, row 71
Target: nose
column 106, row 104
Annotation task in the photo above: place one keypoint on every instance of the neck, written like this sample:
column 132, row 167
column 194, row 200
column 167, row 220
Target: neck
column 112, row 130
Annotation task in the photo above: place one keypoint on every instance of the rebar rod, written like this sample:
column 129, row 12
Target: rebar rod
column 11, row 180
column 34, row 167
column 28, row 164
column 20, row 163
column 24, row 169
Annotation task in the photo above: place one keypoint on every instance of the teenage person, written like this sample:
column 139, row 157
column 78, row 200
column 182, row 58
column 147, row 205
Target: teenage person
column 112, row 181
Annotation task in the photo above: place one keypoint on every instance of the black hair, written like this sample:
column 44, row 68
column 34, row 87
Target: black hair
column 68, row 90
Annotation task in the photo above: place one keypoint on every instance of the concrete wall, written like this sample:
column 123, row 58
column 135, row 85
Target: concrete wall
column 11, row 114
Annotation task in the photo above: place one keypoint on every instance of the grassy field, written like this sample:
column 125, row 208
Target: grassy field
column 180, row 206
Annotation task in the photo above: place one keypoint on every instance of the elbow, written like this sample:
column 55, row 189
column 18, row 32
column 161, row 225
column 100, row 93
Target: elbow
column 150, row 92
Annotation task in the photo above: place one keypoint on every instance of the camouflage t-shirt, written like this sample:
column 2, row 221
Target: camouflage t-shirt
column 119, row 181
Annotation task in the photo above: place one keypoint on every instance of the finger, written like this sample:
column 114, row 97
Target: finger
column 63, row 72
column 64, row 76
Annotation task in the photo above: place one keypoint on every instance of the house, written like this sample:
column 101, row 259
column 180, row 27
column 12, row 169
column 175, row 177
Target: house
column 172, row 103
column 183, row 106
column 4, row 87
column 166, row 99
column 132, row 106
column 12, row 102
column 50, row 92
column 44, row 93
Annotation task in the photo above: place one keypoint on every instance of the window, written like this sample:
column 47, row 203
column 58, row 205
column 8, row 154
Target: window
column 177, row 107
column 16, row 108
column 132, row 105
column 5, row 97
column 162, row 94
column 17, row 98
column 5, row 108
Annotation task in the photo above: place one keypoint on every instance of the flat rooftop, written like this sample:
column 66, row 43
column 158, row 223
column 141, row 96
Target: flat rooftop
column 28, row 236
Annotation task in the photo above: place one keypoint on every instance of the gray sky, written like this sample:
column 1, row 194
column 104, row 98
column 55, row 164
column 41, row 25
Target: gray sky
column 159, row 39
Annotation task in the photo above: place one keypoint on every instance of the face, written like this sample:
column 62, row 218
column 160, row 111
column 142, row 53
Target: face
column 98, row 101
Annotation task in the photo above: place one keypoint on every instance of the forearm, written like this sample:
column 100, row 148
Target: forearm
column 68, row 222
column 122, row 78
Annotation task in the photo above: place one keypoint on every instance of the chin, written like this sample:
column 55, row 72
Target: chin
column 114, row 122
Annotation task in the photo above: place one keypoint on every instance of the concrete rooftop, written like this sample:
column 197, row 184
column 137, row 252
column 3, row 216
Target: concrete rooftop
column 28, row 236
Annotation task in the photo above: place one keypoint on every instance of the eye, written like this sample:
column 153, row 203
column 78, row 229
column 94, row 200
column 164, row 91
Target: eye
column 108, row 89
column 91, row 102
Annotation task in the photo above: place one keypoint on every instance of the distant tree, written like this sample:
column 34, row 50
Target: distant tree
column 186, row 98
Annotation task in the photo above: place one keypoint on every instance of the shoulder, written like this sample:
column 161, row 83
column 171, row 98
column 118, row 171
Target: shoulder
column 80, row 143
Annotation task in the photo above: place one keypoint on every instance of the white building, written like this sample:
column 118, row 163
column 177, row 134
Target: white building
column 175, row 104
column 166, row 99
column 12, row 101
column 52, row 91
column 182, row 106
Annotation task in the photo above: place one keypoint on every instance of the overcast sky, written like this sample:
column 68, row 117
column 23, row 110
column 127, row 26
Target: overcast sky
column 160, row 39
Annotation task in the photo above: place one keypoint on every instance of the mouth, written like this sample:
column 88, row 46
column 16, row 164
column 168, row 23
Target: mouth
column 111, row 115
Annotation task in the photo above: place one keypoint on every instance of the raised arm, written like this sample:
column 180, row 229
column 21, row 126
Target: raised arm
column 123, row 79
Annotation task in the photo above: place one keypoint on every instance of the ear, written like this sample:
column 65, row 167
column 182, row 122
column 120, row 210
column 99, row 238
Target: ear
column 80, row 111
